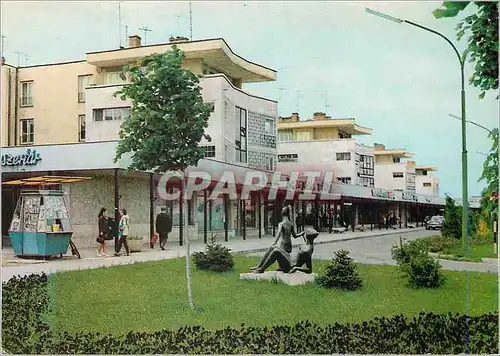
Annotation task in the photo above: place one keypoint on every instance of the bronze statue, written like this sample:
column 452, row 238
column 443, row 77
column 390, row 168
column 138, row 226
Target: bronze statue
column 287, row 262
column 285, row 230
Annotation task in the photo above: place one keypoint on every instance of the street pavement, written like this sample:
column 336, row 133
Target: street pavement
column 366, row 247
column 377, row 250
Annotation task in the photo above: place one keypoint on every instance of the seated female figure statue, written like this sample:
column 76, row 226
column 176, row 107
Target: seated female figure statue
column 285, row 231
column 287, row 262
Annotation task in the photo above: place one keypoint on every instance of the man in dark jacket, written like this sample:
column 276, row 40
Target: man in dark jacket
column 163, row 227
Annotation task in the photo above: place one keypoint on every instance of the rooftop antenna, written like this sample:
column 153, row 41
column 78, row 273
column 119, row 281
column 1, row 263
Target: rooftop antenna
column 190, row 22
column 26, row 58
column 126, row 32
column 120, row 22
column 18, row 58
column 326, row 101
column 178, row 25
column 299, row 96
column 146, row 30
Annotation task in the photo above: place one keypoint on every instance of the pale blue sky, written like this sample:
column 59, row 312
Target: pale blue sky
column 397, row 79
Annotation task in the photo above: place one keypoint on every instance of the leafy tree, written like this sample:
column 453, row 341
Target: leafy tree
column 481, row 29
column 452, row 225
column 490, row 176
column 167, row 121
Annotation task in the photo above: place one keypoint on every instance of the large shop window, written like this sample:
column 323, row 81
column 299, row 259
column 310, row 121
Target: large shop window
column 27, row 131
column 27, row 94
column 344, row 156
column 81, row 128
column 83, row 82
column 241, row 141
column 111, row 114
column 209, row 151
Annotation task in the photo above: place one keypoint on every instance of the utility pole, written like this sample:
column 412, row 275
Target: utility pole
column 146, row 30
column 3, row 41
column 120, row 22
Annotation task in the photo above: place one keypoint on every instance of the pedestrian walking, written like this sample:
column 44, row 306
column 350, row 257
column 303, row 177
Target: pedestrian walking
column 123, row 231
column 103, row 223
column 163, row 227
column 330, row 221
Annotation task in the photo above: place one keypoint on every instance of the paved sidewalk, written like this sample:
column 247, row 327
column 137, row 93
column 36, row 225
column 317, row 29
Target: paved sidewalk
column 13, row 266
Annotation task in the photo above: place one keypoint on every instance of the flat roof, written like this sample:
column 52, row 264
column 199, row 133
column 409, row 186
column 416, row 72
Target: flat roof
column 215, row 53
column 396, row 153
column 348, row 125
column 427, row 168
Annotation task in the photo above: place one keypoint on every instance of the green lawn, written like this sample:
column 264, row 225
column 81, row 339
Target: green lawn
column 152, row 296
column 476, row 253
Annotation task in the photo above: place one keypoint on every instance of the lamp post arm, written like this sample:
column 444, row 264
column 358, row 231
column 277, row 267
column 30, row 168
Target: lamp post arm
column 461, row 59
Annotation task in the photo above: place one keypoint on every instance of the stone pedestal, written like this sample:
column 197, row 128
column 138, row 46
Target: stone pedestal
column 292, row 279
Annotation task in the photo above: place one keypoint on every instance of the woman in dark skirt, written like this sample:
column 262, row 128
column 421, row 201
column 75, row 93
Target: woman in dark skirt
column 103, row 232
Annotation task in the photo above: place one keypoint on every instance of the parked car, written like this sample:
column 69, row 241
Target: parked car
column 435, row 223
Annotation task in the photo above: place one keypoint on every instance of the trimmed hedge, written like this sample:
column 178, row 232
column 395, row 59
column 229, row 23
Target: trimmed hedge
column 25, row 300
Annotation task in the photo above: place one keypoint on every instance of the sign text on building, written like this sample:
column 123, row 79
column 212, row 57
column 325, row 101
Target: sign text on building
column 30, row 158
column 409, row 196
column 380, row 193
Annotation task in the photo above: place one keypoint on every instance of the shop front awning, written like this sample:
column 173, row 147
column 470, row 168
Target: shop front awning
column 46, row 180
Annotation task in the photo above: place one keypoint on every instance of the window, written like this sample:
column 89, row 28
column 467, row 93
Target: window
column 270, row 164
column 83, row 81
column 241, row 141
column 291, row 157
column 344, row 180
column 396, row 160
column 81, row 127
column 397, row 175
column 27, row 94
column 27, row 131
column 304, row 136
column 211, row 104
column 367, row 182
column 366, row 165
column 427, row 185
column 270, row 128
column 285, row 136
column 113, row 78
column 344, row 156
column 209, row 151
column 111, row 114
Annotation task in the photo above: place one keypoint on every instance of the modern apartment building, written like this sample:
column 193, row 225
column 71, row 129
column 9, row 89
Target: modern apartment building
column 392, row 170
column 70, row 107
column 328, row 142
column 425, row 181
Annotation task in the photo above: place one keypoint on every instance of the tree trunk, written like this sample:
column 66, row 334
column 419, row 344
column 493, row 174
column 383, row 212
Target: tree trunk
column 188, row 264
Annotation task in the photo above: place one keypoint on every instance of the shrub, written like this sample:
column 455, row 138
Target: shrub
column 452, row 224
column 216, row 257
column 341, row 273
column 441, row 243
column 421, row 269
column 25, row 300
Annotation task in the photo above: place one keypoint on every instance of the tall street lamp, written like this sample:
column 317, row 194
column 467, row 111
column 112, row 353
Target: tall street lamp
column 461, row 60
column 472, row 122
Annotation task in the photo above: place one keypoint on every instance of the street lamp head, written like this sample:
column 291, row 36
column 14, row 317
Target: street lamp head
column 384, row 16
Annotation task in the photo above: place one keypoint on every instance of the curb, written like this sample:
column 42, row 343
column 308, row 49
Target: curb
column 263, row 249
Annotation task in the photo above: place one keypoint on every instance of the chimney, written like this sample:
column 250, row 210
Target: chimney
column 295, row 116
column 3, row 60
column 178, row 39
column 378, row 147
column 319, row 116
column 134, row 41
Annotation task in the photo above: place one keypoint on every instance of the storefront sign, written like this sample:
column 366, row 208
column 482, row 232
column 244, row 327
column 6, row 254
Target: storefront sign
column 409, row 196
column 380, row 193
column 30, row 158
